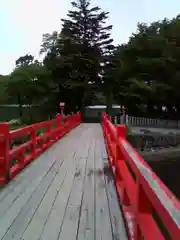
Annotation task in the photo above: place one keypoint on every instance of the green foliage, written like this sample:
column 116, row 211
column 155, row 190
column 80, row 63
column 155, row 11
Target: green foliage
column 146, row 70
column 81, row 67
column 3, row 94
column 24, row 60
column 28, row 84
column 75, row 55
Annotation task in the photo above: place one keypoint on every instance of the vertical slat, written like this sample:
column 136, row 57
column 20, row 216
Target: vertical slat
column 4, row 153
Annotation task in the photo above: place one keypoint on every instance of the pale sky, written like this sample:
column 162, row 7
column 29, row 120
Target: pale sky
column 22, row 22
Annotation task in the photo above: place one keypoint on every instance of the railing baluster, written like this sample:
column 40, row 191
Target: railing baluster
column 144, row 199
column 33, row 142
column 4, row 149
column 20, row 153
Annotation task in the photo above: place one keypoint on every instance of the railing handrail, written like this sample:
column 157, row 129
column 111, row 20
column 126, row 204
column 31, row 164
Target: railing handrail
column 53, row 130
column 140, row 192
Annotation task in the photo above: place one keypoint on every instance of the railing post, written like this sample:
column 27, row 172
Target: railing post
column 21, row 159
column 4, row 153
column 66, row 124
column 62, row 126
column 72, row 120
column 77, row 119
column 142, row 207
column 49, row 136
column 58, row 118
column 121, row 131
column 69, row 122
column 58, row 125
column 33, row 139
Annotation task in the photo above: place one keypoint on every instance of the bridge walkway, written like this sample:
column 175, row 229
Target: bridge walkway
column 66, row 193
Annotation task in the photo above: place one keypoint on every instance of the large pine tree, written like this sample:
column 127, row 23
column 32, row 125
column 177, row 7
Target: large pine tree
column 78, row 54
column 84, row 43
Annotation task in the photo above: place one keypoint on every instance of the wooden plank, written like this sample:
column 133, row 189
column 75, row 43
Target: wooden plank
column 103, row 229
column 72, row 214
column 21, row 181
column 18, row 184
column 55, row 219
column 9, row 200
column 86, row 223
column 40, row 218
column 20, row 198
column 52, row 226
column 36, row 225
column 59, row 202
column 46, row 187
column 45, row 163
column 116, row 217
column 9, row 217
column 13, row 190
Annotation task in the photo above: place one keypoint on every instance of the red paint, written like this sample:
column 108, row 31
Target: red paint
column 4, row 146
column 141, row 191
column 53, row 130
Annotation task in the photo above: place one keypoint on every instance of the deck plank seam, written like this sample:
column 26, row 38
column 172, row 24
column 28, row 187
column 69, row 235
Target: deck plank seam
column 16, row 198
column 27, row 180
column 75, row 152
column 53, row 165
column 72, row 156
column 78, row 158
column 99, row 143
column 107, row 198
column 53, row 204
column 29, row 197
column 67, row 202
column 42, row 197
column 41, row 202
column 22, row 190
column 38, row 161
column 80, row 211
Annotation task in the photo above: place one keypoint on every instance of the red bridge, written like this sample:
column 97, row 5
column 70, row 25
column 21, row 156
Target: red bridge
column 90, row 184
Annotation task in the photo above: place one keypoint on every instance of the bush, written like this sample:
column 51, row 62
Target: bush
column 128, row 130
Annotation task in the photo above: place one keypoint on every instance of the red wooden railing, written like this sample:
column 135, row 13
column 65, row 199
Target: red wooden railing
column 14, row 158
column 150, row 210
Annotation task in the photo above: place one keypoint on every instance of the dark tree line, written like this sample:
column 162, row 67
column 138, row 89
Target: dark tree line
column 81, row 66
column 148, row 75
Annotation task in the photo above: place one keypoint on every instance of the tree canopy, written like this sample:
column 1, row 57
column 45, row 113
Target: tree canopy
column 81, row 66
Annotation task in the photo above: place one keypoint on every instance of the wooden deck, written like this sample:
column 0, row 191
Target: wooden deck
column 67, row 193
